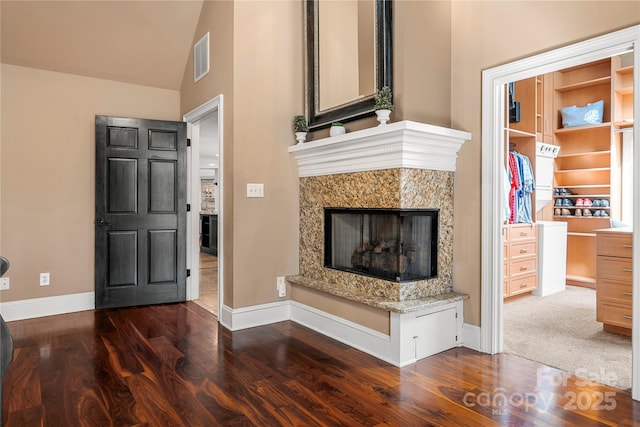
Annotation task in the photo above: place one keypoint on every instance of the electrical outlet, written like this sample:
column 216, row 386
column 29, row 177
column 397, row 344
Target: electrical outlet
column 255, row 190
column 4, row 284
column 44, row 279
column 281, row 285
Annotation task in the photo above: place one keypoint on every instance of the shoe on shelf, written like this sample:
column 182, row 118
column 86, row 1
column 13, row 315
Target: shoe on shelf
column 580, row 202
column 567, row 202
column 566, row 212
column 604, row 203
column 578, row 212
column 586, row 212
column 558, row 202
column 557, row 212
column 587, row 202
column 596, row 203
column 557, row 191
column 603, row 213
column 597, row 212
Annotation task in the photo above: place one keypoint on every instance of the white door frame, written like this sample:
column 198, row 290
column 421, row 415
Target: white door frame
column 213, row 106
column 493, row 81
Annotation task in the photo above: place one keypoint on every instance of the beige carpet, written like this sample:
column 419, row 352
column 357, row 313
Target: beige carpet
column 561, row 331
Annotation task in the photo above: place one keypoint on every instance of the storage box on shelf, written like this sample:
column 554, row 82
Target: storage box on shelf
column 614, row 279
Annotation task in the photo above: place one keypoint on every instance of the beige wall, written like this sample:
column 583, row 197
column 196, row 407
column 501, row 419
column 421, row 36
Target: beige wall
column 268, row 89
column 257, row 62
column 486, row 34
column 48, row 170
column 216, row 17
column 422, row 61
column 370, row 317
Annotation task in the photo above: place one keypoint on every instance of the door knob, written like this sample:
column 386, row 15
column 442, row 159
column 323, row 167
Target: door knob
column 102, row 222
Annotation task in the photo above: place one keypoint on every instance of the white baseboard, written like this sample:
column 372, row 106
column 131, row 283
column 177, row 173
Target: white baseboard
column 48, row 306
column 236, row 319
column 354, row 335
column 471, row 337
column 397, row 348
column 372, row 342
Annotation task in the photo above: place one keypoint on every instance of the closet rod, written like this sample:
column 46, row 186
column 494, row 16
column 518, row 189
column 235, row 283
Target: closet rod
column 623, row 130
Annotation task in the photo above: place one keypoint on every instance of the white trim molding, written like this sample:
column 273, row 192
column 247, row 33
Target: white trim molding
column 212, row 106
column 399, row 348
column 471, row 336
column 404, row 144
column 352, row 334
column 236, row 319
column 47, row 306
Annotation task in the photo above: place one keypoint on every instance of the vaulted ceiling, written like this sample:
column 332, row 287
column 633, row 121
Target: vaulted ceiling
column 142, row 42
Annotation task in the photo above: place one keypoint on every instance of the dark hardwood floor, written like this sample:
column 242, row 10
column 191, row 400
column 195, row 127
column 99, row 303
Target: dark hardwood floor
column 171, row 365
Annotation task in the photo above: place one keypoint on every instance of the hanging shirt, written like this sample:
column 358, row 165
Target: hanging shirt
column 525, row 213
column 506, row 180
column 514, row 173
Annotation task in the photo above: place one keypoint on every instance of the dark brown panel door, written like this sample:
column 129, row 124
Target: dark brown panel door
column 141, row 221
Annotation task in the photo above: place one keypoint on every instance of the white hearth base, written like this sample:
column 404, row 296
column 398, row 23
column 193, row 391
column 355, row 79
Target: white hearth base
column 413, row 335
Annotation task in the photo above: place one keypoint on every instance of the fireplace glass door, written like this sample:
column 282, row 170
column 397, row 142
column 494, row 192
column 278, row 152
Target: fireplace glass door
column 391, row 244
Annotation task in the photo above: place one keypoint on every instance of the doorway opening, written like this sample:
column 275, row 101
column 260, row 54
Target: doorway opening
column 554, row 296
column 206, row 189
column 494, row 149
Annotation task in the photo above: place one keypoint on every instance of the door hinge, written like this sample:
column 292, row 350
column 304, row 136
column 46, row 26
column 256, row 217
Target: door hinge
column 188, row 272
column 456, row 311
column 456, row 338
column 188, row 142
column 189, row 210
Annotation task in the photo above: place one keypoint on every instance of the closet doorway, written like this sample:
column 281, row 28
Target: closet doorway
column 494, row 146
column 566, row 182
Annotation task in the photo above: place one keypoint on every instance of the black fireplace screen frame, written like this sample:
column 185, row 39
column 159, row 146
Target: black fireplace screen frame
column 328, row 243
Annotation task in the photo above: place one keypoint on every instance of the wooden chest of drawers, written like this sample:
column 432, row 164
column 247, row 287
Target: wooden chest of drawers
column 520, row 259
column 613, row 279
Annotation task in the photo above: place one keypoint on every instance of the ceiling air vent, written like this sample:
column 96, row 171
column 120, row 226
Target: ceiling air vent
column 201, row 58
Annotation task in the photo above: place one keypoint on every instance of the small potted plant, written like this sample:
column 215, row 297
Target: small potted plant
column 383, row 104
column 337, row 128
column 300, row 128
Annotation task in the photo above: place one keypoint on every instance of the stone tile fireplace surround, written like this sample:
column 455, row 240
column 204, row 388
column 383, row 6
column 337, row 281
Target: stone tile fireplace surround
column 406, row 165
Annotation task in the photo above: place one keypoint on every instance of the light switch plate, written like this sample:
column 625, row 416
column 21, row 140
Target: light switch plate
column 255, row 190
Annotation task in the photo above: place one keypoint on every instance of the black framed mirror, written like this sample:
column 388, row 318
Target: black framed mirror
column 349, row 57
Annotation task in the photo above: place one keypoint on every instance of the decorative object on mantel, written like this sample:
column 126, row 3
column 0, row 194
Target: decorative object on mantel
column 383, row 104
column 300, row 128
column 337, row 128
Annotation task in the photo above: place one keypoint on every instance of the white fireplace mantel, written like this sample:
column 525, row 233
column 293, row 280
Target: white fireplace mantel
column 404, row 144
